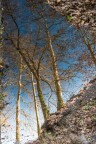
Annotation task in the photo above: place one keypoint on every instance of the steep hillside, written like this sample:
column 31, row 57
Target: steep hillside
column 76, row 124
column 79, row 12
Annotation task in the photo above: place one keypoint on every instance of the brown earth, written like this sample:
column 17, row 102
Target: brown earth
column 79, row 12
column 76, row 124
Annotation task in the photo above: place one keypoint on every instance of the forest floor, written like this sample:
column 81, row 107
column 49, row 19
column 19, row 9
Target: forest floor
column 76, row 124
column 79, row 12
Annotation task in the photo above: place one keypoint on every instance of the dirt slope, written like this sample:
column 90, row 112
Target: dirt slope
column 76, row 124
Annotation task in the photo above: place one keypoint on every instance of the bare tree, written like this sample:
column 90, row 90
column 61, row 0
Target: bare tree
column 87, row 39
column 18, row 104
column 36, row 106
column 30, row 64
column 38, row 6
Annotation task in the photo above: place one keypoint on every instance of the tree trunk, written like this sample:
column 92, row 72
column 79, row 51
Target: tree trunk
column 40, row 94
column 87, row 43
column 42, row 101
column 18, row 106
column 92, row 53
column 36, row 107
column 60, row 101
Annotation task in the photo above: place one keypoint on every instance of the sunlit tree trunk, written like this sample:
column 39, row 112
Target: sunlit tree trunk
column 36, row 107
column 37, row 77
column 42, row 100
column 30, row 66
column 39, row 88
column 45, row 109
column 18, row 105
column 60, row 101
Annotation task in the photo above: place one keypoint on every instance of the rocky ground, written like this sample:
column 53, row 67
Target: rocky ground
column 76, row 124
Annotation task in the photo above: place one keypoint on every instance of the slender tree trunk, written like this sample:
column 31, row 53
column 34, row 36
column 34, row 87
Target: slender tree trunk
column 42, row 101
column 89, row 47
column 36, row 107
column 18, row 105
column 40, row 94
column 60, row 101
column 92, row 53
column 39, row 88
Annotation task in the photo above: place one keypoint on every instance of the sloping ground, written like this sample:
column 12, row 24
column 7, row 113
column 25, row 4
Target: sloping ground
column 79, row 12
column 76, row 124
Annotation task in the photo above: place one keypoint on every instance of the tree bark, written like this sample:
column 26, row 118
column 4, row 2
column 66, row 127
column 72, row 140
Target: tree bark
column 37, row 77
column 36, row 107
column 42, row 101
column 60, row 101
column 18, row 105
column 39, row 88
